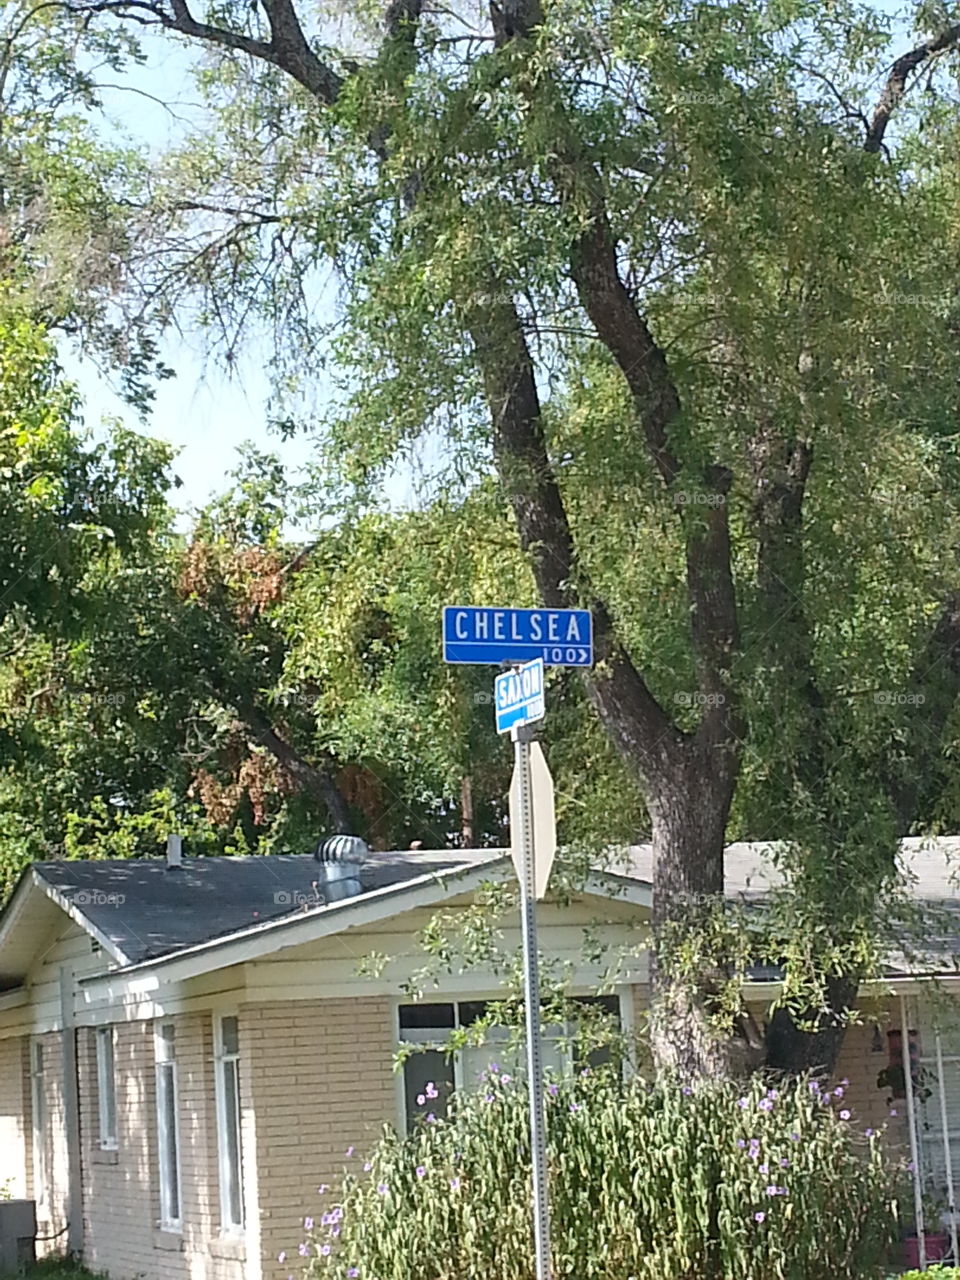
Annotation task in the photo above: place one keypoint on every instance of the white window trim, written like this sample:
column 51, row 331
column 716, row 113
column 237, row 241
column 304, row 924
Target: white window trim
column 38, row 1117
column 624, row 996
column 227, row 1228
column 106, row 1035
column 168, row 1223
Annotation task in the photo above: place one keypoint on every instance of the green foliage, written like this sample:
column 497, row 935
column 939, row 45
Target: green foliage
column 658, row 1183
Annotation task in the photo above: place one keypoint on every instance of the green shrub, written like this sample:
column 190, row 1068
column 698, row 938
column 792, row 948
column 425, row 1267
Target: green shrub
column 938, row 1273
column 646, row 1183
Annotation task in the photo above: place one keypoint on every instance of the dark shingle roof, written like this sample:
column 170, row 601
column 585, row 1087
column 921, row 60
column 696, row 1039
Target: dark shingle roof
column 146, row 909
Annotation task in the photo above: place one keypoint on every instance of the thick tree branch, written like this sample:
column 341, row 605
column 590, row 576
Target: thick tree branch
column 316, row 782
column 643, row 730
column 896, row 85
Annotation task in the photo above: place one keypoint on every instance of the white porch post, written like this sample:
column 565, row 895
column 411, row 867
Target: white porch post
column 948, row 1162
column 912, row 1124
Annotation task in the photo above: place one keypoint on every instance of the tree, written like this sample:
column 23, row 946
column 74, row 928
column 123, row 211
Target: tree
column 591, row 201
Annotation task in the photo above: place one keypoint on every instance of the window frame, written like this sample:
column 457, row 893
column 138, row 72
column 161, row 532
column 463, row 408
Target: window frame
column 221, row 1061
column 403, row 1037
column 38, row 1123
column 165, row 1063
column 106, row 1086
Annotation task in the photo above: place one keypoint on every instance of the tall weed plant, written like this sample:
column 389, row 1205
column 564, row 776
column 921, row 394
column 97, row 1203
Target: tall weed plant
column 720, row 1182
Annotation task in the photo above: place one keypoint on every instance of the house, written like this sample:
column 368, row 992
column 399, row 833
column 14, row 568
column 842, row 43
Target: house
column 190, row 1047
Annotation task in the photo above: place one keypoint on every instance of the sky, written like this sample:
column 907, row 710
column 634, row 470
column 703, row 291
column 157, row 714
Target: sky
column 203, row 412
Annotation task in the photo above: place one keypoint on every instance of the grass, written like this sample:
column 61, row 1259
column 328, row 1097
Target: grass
column 57, row 1269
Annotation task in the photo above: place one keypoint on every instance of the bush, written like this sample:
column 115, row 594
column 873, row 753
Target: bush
column 938, row 1273
column 651, row 1183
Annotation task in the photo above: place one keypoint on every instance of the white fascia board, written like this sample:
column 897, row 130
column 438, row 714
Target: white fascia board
column 144, row 979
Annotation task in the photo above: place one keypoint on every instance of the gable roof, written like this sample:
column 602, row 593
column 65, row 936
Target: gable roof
column 144, row 909
column 145, row 913
column 211, row 912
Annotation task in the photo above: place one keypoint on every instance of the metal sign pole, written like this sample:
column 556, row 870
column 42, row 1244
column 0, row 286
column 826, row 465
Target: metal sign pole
column 522, row 736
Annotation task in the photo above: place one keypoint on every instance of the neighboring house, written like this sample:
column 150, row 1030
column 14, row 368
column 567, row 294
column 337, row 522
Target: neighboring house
column 188, row 1048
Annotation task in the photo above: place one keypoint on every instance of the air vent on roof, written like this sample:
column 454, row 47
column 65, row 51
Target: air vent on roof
column 95, row 946
column 340, row 858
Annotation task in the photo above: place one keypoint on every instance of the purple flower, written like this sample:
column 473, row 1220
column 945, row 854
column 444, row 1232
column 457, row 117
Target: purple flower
column 740, row 1143
column 794, row 1137
column 420, row 1099
column 773, row 1191
column 814, row 1087
column 844, row 1115
column 282, row 1255
column 784, row 1162
column 844, row 1081
column 743, row 1103
column 759, row 1216
column 764, row 1168
column 505, row 1079
column 488, row 1097
column 323, row 1188
column 765, row 1104
column 838, row 1091
column 869, row 1133
column 431, row 1090
column 574, row 1106
column 772, row 1093
column 687, row 1090
column 350, row 1151
column 430, row 1118
column 308, row 1224
column 893, row 1111
column 367, row 1166
column 353, row 1272
column 325, row 1249
column 304, row 1251
column 553, row 1089
column 382, row 1188
column 421, row 1171
column 454, row 1184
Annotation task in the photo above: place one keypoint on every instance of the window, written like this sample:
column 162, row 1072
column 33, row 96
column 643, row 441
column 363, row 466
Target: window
column 431, row 1075
column 106, row 1090
column 168, row 1137
column 228, row 1124
column 38, row 1099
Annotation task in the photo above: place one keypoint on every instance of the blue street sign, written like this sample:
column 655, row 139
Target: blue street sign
column 518, row 696
column 560, row 637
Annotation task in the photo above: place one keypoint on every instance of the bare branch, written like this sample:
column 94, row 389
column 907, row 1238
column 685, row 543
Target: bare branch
column 896, row 85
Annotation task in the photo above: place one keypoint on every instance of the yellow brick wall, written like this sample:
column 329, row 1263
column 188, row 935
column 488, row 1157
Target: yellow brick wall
column 52, row 1214
column 14, row 1114
column 121, row 1191
column 860, row 1065
column 318, row 1076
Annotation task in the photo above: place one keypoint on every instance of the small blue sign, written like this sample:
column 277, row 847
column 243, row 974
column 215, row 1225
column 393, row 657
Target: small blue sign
column 518, row 696
column 559, row 637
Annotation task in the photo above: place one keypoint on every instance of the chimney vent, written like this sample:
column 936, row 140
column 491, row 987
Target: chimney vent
column 174, row 851
column 340, row 858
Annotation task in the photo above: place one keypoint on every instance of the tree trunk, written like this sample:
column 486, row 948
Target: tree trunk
column 687, row 970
